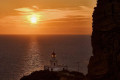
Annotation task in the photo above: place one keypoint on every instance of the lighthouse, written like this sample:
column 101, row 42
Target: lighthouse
column 53, row 60
column 54, row 66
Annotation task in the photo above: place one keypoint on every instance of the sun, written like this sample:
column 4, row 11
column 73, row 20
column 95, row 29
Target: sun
column 33, row 19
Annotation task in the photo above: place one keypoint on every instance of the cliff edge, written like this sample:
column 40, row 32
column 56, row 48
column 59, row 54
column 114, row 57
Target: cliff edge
column 105, row 62
column 50, row 75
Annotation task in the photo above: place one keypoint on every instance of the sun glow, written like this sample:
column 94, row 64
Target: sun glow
column 34, row 18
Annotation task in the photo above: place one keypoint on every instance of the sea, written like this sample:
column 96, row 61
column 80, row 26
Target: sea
column 21, row 55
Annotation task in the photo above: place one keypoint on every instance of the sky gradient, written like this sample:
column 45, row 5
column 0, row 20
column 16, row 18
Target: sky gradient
column 54, row 16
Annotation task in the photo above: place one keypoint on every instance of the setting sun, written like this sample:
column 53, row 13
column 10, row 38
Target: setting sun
column 33, row 19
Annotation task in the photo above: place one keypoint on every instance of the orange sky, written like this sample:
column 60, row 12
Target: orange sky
column 54, row 16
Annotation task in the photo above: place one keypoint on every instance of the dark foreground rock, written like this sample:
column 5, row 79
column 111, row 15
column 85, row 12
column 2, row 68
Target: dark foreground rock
column 105, row 62
column 47, row 75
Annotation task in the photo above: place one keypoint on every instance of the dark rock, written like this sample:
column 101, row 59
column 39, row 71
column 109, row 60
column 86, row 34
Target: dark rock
column 49, row 75
column 105, row 62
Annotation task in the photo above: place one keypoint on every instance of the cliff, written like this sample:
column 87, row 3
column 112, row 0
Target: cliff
column 105, row 62
column 49, row 75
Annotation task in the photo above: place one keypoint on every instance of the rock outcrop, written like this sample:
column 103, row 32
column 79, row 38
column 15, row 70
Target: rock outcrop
column 49, row 75
column 105, row 62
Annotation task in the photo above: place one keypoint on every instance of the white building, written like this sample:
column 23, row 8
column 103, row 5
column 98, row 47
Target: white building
column 54, row 66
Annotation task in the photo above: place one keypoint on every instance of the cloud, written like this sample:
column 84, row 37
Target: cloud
column 51, row 14
column 68, row 20
column 48, row 14
column 7, row 6
column 68, row 25
column 76, row 18
column 24, row 10
column 35, row 7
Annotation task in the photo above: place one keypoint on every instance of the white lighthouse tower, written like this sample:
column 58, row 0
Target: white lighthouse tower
column 54, row 66
column 53, row 60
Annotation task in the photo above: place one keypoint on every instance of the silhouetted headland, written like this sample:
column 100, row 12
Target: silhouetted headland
column 52, row 75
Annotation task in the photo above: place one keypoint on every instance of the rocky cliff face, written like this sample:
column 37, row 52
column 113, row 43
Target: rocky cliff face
column 105, row 62
column 47, row 75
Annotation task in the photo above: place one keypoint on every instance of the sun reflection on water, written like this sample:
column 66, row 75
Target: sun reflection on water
column 33, row 59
